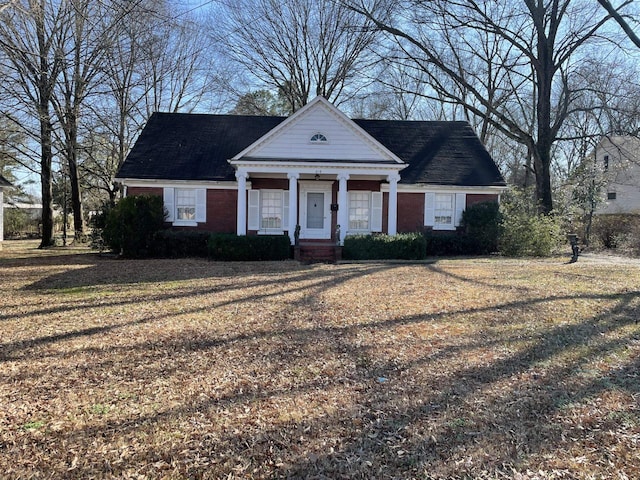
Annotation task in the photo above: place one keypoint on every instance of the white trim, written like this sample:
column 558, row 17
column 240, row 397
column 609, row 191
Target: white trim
column 327, row 168
column 169, row 202
column 254, row 210
column 375, row 211
column 422, row 188
column 460, row 205
column 144, row 183
column 314, row 186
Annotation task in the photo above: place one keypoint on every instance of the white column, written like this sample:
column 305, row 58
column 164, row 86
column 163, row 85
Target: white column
column 392, row 220
column 343, row 205
column 293, row 204
column 241, row 216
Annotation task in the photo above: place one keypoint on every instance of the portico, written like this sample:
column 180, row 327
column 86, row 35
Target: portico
column 327, row 201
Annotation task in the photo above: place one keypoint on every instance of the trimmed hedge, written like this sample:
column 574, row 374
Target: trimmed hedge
column 231, row 247
column 404, row 246
column 451, row 244
column 180, row 244
column 481, row 224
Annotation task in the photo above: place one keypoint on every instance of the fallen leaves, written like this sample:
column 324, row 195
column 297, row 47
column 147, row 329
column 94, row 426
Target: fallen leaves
column 484, row 368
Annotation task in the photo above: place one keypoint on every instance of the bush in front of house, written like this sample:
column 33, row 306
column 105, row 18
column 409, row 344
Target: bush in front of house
column 481, row 225
column 450, row 244
column 404, row 246
column 524, row 232
column 131, row 225
column 232, row 248
column 180, row 244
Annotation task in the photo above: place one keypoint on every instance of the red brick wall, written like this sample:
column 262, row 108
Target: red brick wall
column 144, row 191
column 270, row 184
column 370, row 185
column 410, row 212
column 473, row 198
column 222, row 206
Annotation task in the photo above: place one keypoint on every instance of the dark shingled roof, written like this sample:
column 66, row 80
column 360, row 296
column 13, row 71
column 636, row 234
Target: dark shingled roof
column 181, row 146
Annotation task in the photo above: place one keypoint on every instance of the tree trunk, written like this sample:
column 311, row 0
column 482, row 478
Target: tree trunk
column 45, row 176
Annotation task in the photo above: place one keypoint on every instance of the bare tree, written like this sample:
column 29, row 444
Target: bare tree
column 30, row 40
column 301, row 48
column 535, row 44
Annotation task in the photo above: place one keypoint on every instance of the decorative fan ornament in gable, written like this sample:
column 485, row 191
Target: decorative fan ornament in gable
column 318, row 139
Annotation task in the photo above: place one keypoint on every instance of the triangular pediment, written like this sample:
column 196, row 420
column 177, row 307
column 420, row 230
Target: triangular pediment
column 318, row 131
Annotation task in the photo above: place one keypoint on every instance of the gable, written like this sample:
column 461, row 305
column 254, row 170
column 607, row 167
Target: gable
column 337, row 138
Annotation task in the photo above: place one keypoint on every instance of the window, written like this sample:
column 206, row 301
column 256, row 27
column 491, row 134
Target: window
column 444, row 209
column 359, row 210
column 611, row 196
column 185, row 204
column 271, row 210
column 268, row 211
column 606, row 162
column 318, row 138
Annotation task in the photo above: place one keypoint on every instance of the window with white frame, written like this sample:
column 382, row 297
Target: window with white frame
column 185, row 204
column 444, row 209
column 318, row 138
column 359, row 211
column 271, row 210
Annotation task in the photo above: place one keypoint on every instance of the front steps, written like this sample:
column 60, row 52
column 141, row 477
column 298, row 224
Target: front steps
column 317, row 252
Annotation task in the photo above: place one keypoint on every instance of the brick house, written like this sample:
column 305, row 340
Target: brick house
column 3, row 184
column 317, row 169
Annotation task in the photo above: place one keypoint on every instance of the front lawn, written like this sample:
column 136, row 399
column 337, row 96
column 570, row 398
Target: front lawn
column 464, row 368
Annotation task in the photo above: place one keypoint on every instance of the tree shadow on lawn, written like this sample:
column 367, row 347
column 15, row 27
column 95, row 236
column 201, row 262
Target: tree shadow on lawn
column 321, row 280
column 475, row 419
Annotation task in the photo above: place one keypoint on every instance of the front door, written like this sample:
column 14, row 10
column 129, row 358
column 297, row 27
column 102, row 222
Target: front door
column 315, row 211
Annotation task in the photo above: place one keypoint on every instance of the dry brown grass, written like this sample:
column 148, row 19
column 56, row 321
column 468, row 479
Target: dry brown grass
column 483, row 368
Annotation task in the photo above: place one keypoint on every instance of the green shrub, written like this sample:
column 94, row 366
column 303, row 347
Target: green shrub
column 131, row 225
column 481, row 226
column 523, row 234
column 405, row 246
column 231, row 247
column 180, row 244
column 16, row 221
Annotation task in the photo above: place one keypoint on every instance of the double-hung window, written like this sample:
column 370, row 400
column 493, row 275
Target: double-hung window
column 359, row 211
column 271, row 210
column 444, row 209
column 268, row 211
column 185, row 206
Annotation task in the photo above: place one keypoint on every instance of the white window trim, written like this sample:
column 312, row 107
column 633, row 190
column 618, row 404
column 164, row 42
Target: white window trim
column 354, row 230
column 318, row 142
column 459, row 204
column 171, row 206
column 254, row 213
column 449, row 225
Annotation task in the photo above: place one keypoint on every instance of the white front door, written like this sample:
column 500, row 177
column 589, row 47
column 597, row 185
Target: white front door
column 315, row 210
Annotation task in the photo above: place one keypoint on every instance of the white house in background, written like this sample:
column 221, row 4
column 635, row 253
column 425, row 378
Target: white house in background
column 618, row 157
column 3, row 184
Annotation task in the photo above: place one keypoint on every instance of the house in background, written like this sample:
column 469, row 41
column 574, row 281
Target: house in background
column 618, row 157
column 317, row 169
column 4, row 183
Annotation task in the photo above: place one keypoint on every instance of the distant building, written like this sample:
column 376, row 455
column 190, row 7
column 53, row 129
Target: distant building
column 618, row 157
